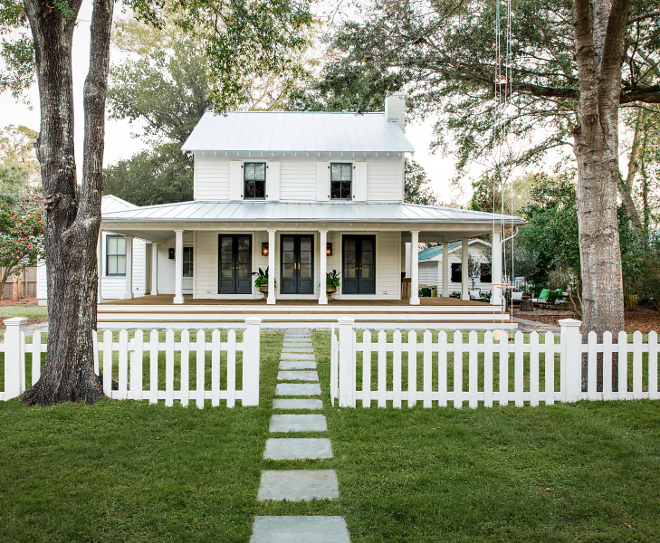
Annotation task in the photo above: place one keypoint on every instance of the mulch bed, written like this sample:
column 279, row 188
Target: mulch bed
column 644, row 320
column 21, row 302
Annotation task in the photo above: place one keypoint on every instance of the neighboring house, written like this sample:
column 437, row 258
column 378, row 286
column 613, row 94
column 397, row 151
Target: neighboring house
column 113, row 262
column 301, row 193
column 431, row 270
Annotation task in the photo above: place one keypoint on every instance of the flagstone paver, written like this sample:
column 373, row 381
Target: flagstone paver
column 297, row 389
column 297, row 356
column 298, row 423
column 300, row 529
column 297, row 404
column 292, row 448
column 298, row 376
column 297, row 485
column 297, row 350
column 306, row 365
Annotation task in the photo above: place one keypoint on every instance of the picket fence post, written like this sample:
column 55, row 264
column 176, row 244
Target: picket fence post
column 571, row 360
column 346, row 362
column 251, row 358
column 15, row 356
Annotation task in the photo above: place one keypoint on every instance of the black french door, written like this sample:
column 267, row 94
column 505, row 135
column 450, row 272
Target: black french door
column 358, row 265
column 235, row 264
column 297, row 264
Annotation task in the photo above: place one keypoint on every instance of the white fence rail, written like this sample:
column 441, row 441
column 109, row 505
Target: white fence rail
column 438, row 372
column 125, row 363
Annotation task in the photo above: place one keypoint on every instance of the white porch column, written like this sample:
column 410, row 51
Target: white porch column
column 465, row 278
column 178, row 267
column 129, row 268
column 154, row 269
column 496, row 268
column 99, row 259
column 271, row 268
column 445, row 269
column 414, row 268
column 323, row 265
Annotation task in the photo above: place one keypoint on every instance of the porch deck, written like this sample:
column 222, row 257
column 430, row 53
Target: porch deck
column 432, row 313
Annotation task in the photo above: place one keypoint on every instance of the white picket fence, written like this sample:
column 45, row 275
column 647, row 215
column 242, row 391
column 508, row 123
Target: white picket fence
column 126, row 359
column 427, row 379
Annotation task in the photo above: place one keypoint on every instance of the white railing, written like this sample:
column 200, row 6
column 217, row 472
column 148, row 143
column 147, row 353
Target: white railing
column 489, row 371
column 123, row 367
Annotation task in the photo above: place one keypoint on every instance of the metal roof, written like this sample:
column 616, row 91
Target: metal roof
column 110, row 203
column 296, row 131
column 208, row 211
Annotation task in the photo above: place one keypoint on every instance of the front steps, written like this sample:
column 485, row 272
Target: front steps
column 469, row 317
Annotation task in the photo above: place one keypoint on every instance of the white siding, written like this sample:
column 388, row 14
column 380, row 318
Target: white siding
column 42, row 287
column 384, row 179
column 211, row 178
column 298, row 180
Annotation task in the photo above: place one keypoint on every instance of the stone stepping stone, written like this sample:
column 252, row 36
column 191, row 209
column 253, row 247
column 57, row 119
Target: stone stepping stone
column 299, row 338
column 298, row 404
column 298, row 345
column 297, row 356
column 297, row 423
column 300, row 529
column 297, row 349
column 308, row 365
column 294, row 448
column 296, row 389
column 298, row 485
column 297, row 376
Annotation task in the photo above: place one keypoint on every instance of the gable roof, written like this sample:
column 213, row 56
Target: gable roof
column 111, row 203
column 436, row 252
column 297, row 131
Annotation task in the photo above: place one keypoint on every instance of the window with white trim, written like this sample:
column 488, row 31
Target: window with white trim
column 254, row 180
column 115, row 256
column 341, row 180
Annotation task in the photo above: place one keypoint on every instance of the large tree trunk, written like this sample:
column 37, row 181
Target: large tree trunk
column 71, row 225
column 599, row 31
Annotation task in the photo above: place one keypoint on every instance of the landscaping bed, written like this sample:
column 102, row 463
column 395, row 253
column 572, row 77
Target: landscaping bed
column 644, row 320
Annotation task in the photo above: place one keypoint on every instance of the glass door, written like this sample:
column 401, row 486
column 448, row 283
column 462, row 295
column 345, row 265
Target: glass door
column 235, row 264
column 358, row 265
column 297, row 263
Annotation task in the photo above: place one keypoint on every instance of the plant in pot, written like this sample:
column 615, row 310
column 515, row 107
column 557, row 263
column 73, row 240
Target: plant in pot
column 261, row 281
column 331, row 283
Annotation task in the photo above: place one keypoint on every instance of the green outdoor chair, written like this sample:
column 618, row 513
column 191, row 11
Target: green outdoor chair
column 542, row 297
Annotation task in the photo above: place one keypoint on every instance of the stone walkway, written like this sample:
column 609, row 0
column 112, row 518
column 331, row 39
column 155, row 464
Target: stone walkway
column 297, row 390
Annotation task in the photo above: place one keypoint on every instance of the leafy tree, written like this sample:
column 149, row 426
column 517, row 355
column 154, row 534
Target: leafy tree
column 236, row 34
column 21, row 241
column 417, row 186
column 19, row 169
column 444, row 54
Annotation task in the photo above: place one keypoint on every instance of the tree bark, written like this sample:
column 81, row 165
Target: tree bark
column 599, row 31
column 71, row 225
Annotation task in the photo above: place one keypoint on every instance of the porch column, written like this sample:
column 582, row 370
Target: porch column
column 99, row 260
column 414, row 268
column 445, row 269
column 129, row 268
column 496, row 269
column 154, row 269
column 271, row 268
column 178, row 267
column 465, row 295
column 323, row 265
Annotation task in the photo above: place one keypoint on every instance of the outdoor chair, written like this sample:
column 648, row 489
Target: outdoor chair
column 542, row 297
column 516, row 298
column 475, row 295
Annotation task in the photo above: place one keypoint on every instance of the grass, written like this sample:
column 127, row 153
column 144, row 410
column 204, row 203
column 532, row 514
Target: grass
column 128, row 471
column 27, row 311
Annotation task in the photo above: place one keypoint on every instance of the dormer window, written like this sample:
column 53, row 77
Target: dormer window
column 341, row 177
column 254, row 175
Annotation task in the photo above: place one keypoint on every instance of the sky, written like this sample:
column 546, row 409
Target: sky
column 119, row 144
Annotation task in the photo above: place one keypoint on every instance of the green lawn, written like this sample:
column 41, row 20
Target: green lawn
column 27, row 311
column 128, row 471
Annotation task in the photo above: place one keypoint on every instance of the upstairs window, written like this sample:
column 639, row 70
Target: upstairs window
column 254, row 175
column 341, row 177
column 115, row 256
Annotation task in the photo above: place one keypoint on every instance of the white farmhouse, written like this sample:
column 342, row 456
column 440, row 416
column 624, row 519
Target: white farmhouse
column 299, row 193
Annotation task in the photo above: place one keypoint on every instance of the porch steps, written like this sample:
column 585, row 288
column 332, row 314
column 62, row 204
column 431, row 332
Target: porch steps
column 210, row 316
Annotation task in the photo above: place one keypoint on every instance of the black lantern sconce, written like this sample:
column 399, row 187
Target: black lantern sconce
column 264, row 249
column 328, row 249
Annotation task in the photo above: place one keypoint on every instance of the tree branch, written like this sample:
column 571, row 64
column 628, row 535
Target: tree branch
column 644, row 16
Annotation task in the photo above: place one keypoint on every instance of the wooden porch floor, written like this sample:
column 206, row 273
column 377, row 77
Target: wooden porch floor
column 166, row 299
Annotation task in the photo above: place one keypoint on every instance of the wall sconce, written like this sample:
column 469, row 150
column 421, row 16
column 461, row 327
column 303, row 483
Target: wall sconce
column 328, row 249
column 264, row 249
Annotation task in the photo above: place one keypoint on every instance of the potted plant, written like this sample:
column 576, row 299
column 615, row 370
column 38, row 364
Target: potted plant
column 331, row 283
column 261, row 281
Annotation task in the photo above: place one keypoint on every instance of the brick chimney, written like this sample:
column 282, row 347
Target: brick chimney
column 395, row 108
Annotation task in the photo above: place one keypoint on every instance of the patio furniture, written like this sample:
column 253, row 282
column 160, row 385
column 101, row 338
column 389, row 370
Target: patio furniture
column 476, row 295
column 516, row 298
column 526, row 304
column 542, row 297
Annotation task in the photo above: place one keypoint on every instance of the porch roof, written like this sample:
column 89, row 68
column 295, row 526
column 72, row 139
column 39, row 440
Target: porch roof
column 262, row 211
